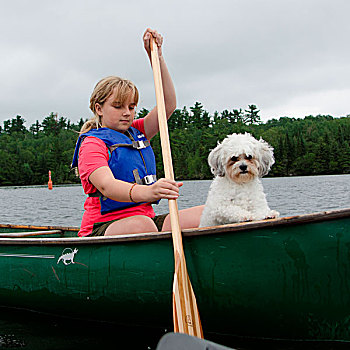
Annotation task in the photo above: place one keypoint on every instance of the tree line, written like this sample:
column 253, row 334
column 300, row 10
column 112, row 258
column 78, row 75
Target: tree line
column 313, row 145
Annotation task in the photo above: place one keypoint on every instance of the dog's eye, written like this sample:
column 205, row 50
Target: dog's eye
column 234, row 158
column 248, row 157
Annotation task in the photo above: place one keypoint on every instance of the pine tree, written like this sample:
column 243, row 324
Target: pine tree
column 252, row 115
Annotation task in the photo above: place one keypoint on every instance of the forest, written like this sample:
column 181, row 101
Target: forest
column 313, row 145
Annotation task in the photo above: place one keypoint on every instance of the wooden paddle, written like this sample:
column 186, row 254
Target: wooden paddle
column 185, row 311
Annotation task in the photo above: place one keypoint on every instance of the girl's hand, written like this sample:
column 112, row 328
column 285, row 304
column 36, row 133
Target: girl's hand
column 163, row 188
column 146, row 41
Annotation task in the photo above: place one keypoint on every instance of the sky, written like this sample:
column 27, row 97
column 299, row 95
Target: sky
column 288, row 57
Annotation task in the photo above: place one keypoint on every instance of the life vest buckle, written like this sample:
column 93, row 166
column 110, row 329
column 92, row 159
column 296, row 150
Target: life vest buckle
column 140, row 144
column 149, row 179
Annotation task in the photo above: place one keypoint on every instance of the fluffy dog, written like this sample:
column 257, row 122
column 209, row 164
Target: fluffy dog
column 236, row 193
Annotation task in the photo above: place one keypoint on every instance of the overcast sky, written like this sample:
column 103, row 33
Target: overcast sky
column 289, row 57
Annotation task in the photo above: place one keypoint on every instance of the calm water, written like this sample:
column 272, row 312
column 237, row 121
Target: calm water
column 64, row 206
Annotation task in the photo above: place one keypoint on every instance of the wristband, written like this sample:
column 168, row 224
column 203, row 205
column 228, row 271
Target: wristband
column 131, row 188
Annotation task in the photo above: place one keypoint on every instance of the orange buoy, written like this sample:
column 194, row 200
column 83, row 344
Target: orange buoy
column 49, row 184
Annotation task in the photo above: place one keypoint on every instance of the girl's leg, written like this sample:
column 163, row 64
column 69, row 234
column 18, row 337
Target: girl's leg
column 189, row 218
column 133, row 224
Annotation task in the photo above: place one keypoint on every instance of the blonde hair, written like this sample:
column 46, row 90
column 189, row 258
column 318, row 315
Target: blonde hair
column 103, row 89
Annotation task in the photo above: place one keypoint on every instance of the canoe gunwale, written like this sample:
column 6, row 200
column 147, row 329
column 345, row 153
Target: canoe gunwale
column 222, row 229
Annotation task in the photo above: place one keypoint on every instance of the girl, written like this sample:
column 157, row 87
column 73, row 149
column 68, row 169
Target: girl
column 116, row 162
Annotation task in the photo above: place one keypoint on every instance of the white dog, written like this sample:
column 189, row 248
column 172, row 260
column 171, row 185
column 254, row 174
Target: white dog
column 236, row 193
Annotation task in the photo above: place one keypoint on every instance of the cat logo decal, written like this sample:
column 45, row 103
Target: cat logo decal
column 67, row 256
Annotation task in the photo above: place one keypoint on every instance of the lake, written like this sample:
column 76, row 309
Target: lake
column 36, row 205
column 64, row 204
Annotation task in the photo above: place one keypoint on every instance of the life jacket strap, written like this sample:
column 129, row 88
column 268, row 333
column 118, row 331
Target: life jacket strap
column 147, row 180
column 135, row 144
column 97, row 194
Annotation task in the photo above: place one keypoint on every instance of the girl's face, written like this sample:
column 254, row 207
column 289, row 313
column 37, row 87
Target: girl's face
column 116, row 115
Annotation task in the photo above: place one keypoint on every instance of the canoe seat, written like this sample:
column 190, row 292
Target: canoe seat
column 29, row 234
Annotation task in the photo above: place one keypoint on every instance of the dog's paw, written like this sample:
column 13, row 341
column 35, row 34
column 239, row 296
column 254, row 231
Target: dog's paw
column 245, row 218
column 273, row 214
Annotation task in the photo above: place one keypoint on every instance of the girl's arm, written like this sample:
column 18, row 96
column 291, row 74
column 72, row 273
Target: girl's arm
column 151, row 120
column 103, row 179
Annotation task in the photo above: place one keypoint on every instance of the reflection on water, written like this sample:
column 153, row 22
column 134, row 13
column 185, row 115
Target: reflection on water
column 64, row 204
column 31, row 331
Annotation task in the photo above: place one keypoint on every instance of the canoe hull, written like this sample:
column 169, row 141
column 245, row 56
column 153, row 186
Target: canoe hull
column 280, row 281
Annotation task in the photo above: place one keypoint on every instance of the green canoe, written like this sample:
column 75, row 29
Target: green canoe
column 287, row 278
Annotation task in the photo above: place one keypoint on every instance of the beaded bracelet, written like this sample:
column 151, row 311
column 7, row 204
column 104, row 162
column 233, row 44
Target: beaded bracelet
column 131, row 188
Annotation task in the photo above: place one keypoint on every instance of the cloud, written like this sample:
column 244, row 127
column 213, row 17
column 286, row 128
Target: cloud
column 285, row 56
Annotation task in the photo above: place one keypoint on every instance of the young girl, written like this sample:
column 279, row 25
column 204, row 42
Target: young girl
column 116, row 163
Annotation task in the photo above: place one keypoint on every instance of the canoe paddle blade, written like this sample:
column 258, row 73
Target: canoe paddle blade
column 185, row 311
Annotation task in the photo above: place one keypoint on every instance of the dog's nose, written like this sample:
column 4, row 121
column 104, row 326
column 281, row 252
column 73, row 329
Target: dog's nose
column 243, row 167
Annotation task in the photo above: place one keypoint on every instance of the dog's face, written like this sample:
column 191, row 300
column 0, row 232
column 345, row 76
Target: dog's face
column 241, row 158
column 242, row 168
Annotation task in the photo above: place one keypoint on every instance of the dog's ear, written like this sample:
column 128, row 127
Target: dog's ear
column 266, row 157
column 215, row 161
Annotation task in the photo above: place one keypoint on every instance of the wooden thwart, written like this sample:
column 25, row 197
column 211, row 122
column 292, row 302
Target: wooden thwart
column 29, row 234
column 185, row 311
